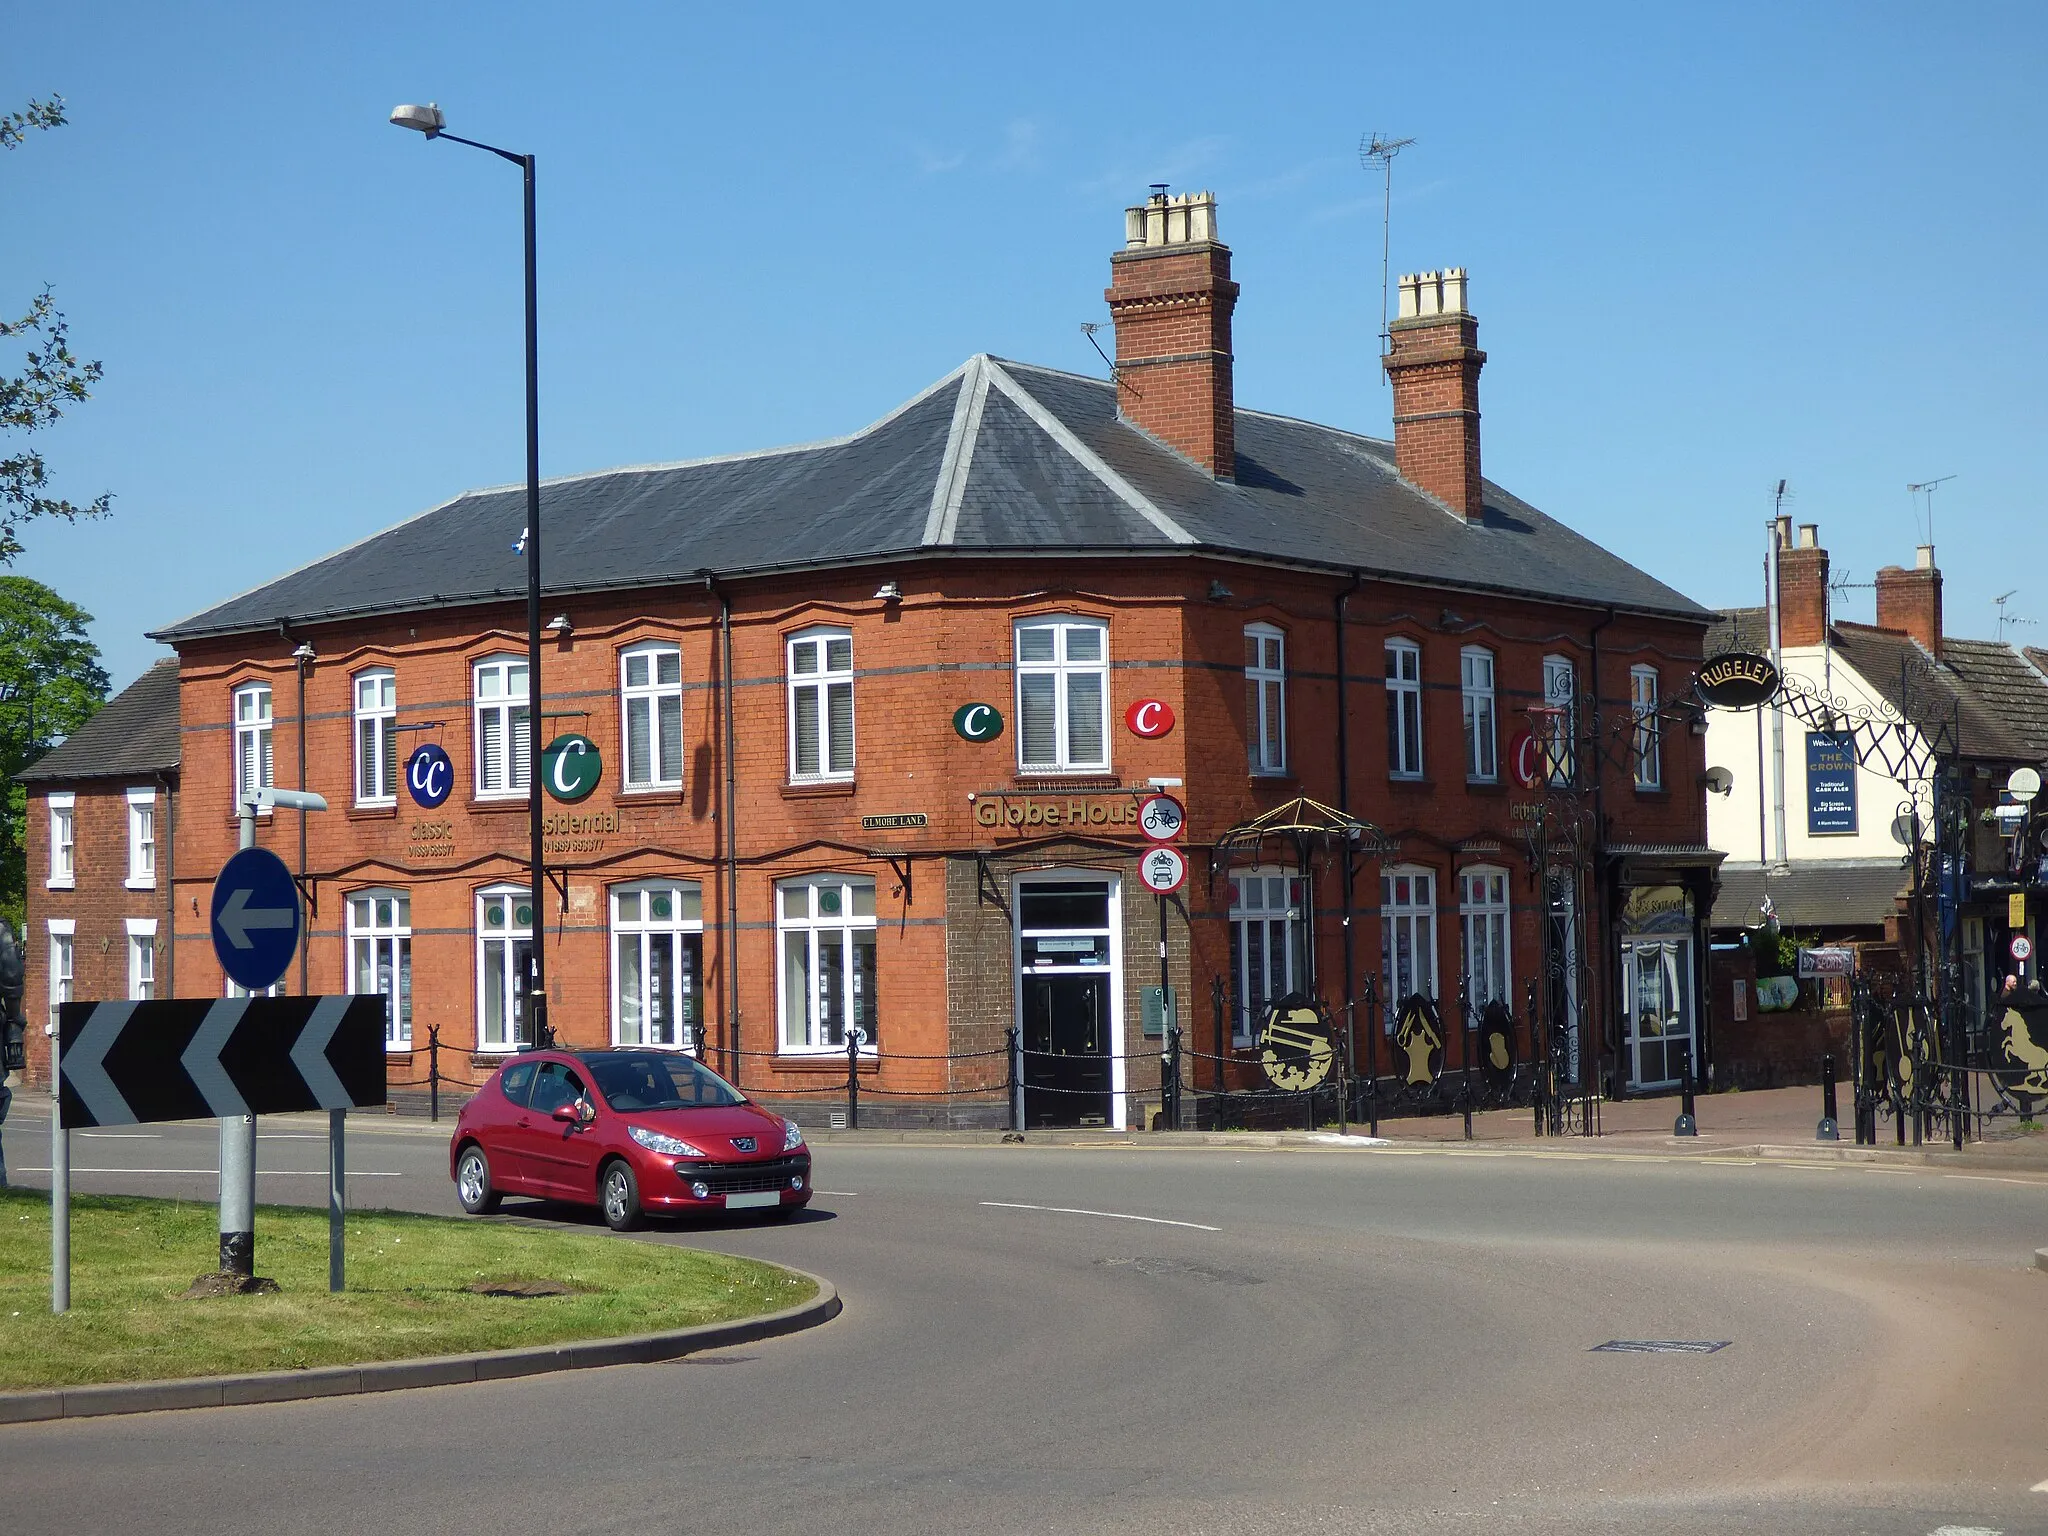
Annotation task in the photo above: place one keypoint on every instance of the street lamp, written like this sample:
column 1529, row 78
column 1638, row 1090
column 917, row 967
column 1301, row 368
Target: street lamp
column 429, row 120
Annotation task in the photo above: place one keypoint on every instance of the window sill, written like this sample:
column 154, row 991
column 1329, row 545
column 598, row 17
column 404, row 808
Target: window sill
column 1271, row 776
column 1485, row 787
column 818, row 789
column 1066, row 778
column 1653, row 792
column 60, row 885
column 496, row 803
column 630, row 792
column 377, row 810
column 139, row 885
column 1406, row 785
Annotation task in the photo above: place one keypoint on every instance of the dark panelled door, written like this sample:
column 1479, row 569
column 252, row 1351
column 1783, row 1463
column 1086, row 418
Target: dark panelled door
column 1066, row 1046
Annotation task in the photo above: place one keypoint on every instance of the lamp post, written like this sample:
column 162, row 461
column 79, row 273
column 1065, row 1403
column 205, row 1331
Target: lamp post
column 430, row 121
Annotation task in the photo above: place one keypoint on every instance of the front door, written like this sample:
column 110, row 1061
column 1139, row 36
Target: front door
column 1658, row 1000
column 1066, row 1050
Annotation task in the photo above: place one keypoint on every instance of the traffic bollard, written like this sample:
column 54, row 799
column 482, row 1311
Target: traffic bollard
column 1686, row 1125
column 1827, row 1129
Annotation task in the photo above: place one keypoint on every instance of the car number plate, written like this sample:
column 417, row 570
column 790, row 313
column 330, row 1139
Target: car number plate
column 752, row 1199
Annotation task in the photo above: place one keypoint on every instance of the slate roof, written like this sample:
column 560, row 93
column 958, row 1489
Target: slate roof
column 133, row 736
column 1816, row 893
column 995, row 458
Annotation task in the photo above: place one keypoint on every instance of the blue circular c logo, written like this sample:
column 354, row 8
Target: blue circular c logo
column 429, row 775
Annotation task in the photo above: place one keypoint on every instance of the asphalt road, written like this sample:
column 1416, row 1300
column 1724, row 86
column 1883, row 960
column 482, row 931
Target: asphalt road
column 1307, row 1341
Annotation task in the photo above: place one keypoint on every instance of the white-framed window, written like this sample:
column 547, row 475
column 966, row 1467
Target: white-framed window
column 657, row 958
column 504, row 956
column 62, row 963
column 1482, row 742
column 1404, row 709
column 820, row 705
column 380, row 958
column 252, row 741
column 1407, row 935
column 825, row 935
column 141, row 958
column 503, row 719
column 377, row 737
column 1265, row 686
column 1268, row 958
column 1483, row 915
column 63, row 840
column 141, row 840
column 651, row 714
column 1560, row 720
column 1648, row 746
column 1062, row 695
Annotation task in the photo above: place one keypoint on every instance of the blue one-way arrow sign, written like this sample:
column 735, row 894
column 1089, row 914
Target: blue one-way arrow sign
column 255, row 918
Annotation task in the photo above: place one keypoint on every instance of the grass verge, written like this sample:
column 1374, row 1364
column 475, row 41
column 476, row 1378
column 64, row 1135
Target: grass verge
column 131, row 1259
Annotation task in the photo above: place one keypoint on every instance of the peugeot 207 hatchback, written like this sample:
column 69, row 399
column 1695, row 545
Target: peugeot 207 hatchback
column 628, row 1131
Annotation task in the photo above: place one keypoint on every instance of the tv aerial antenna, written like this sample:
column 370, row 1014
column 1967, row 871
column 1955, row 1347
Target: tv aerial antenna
column 1925, row 489
column 1376, row 149
column 2005, row 618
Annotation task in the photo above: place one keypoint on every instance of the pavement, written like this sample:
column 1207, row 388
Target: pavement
column 1099, row 1333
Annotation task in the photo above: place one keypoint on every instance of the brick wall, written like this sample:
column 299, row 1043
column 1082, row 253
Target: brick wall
column 98, row 904
column 1434, row 368
column 1172, row 309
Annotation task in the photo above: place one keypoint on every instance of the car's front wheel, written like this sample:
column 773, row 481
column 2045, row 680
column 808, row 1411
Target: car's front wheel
column 473, row 1182
column 619, row 1194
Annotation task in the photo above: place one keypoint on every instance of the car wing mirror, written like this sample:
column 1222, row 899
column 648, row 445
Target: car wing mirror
column 567, row 1113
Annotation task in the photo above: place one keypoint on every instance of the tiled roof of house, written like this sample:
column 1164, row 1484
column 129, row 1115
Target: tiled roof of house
column 1844, row 893
column 133, row 736
column 996, row 458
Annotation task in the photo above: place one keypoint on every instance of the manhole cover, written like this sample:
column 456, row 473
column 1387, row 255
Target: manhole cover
column 1660, row 1346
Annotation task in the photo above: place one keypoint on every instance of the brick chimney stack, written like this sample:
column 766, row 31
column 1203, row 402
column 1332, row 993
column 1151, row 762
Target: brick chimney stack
column 1171, row 297
column 1910, row 601
column 1433, row 363
column 1802, row 586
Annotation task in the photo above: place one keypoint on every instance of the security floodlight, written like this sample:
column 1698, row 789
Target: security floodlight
column 560, row 624
column 889, row 592
column 427, row 119
column 305, row 652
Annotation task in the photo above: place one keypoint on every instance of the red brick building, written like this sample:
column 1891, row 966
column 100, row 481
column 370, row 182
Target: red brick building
column 102, row 813
column 800, row 825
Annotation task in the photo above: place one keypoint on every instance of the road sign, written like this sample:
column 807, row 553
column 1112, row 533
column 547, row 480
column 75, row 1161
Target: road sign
column 1149, row 718
column 1162, row 817
column 2016, row 910
column 1162, row 869
column 429, row 775
column 134, row 1063
column 978, row 722
column 255, row 918
column 2022, row 947
column 571, row 767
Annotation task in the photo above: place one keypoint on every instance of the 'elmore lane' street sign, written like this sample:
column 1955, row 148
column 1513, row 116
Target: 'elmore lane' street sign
column 133, row 1063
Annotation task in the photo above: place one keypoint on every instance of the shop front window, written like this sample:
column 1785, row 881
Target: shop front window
column 825, row 936
column 504, row 956
column 658, row 956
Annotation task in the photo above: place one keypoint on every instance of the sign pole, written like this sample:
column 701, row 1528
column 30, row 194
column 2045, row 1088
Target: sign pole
column 337, row 1192
column 60, row 1193
column 238, row 1154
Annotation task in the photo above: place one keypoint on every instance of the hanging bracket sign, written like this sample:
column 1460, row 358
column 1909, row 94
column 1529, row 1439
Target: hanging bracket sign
column 1739, row 680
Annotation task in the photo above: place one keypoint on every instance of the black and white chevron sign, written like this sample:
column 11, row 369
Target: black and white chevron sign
column 132, row 1063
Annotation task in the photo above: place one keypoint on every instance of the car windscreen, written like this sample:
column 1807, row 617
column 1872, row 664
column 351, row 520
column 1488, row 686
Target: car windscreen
column 658, row 1080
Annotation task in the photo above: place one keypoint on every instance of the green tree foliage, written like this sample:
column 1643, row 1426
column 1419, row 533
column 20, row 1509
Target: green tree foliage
column 51, row 681
column 51, row 380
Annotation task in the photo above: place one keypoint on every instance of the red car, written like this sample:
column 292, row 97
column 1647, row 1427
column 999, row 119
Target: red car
column 629, row 1131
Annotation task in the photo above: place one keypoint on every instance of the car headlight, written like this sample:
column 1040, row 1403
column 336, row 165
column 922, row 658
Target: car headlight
column 792, row 1137
column 667, row 1146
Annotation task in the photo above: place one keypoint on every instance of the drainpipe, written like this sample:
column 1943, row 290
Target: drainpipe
column 302, row 659
column 1344, row 805
column 167, row 840
column 729, row 988
column 1610, row 953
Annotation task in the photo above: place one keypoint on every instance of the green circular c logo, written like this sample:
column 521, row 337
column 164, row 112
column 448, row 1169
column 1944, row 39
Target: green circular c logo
column 978, row 722
column 571, row 767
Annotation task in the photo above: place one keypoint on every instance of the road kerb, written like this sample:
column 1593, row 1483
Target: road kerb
column 48, row 1403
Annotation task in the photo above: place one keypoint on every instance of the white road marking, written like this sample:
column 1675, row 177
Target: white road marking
column 261, row 1173
column 2040, row 1487
column 288, row 1136
column 1964, row 1530
column 124, row 1135
column 837, row 1194
column 1072, row 1210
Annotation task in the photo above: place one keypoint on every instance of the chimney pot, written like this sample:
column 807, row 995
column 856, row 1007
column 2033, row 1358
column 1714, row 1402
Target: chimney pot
column 1172, row 298
column 1809, row 535
column 1433, row 362
column 1923, row 557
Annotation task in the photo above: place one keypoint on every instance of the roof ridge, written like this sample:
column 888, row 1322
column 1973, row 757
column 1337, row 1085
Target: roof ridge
column 1087, row 457
column 950, row 486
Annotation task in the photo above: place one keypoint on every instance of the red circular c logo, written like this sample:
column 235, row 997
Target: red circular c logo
column 1525, row 760
column 1149, row 717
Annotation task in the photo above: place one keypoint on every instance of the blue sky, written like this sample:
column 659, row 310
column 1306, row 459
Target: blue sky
column 1709, row 248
